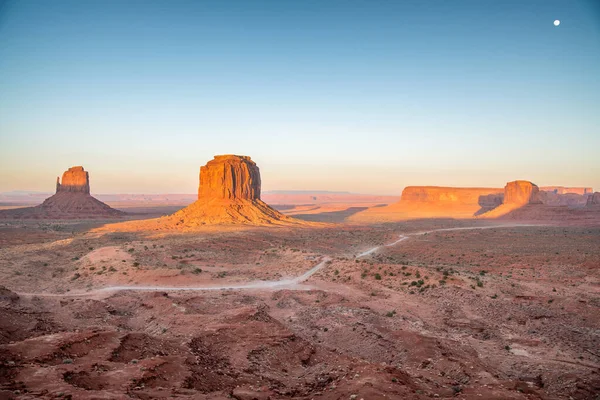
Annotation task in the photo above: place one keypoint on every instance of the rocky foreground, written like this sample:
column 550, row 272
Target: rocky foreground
column 497, row 313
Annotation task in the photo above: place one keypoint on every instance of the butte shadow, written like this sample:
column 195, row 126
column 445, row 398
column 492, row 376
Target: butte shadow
column 71, row 201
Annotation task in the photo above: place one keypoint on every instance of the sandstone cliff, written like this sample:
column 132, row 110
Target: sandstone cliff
column 74, row 180
column 521, row 193
column 230, row 177
column 469, row 200
column 435, row 202
column 229, row 193
column 517, row 194
column 71, row 201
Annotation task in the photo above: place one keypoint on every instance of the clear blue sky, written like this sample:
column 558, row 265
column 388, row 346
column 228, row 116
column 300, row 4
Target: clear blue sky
column 356, row 95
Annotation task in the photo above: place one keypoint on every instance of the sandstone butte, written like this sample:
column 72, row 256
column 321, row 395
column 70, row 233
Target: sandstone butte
column 517, row 194
column 228, row 194
column 71, row 201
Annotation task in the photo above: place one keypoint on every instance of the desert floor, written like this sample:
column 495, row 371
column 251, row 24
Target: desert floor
column 506, row 312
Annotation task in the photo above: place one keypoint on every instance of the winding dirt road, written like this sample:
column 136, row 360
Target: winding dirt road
column 291, row 283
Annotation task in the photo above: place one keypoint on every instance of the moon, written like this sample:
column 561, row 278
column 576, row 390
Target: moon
column 556, row 22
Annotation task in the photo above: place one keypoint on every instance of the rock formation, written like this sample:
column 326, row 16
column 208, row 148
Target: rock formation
column 465, row 200
column 567, row 190
column 230, row 177
column 593, row 200
column 521, row 193
column 71, row 201
column 229, row 193
column 74, row 180
column 517, row 195
column 435, row 202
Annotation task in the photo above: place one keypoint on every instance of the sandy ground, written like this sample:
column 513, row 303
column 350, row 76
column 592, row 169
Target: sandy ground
column 496, row 313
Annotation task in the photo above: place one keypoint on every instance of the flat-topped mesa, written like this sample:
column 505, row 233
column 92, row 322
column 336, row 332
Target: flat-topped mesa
column 229, row 177
column 521, row 193
column 567, row 190
column 74, row 180
column 443, row 195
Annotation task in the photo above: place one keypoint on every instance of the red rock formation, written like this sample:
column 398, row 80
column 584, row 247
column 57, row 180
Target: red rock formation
column 449, row 201
column 229, row 193
column 567, row 190
column 435, row 202
column 230, row 177
column 437, row 195
column 593, row 200
column 521, row 193
column 71, row 201
column 74, row 180
column 517, row 194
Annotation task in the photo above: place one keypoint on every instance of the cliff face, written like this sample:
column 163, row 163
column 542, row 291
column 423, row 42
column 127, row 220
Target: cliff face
column 230, row 177
column 521, row 193
column 437, row 195
column 74, row 180
column 567, row 190
column 449, row 201
column 229, row 193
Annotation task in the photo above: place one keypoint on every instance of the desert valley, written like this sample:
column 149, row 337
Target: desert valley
column 469, row 293
column 299, row 199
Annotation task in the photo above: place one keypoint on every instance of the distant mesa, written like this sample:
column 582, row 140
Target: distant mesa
column 435, row 202
column 438, row 200
column 567, row 190
column 229, row 193
column 519, row 199
column 71, row 201
column 593, row 200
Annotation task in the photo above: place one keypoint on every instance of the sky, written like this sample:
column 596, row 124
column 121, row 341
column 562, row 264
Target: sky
column 353, row 95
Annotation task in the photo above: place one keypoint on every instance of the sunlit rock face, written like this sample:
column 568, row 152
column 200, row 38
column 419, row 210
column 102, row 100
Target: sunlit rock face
column 74, row 180
column 521, row 193
column 229, row 177
column 229, row 193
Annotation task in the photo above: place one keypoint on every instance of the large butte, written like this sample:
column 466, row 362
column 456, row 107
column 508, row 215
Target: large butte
column 229, row 193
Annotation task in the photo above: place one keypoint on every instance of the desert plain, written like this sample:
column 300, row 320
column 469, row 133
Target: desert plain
column 462, row 294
